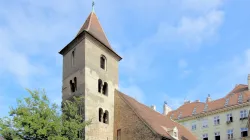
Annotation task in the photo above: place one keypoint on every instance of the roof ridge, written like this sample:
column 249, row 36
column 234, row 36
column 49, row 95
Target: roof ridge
column 90, row 20
column 103, row 30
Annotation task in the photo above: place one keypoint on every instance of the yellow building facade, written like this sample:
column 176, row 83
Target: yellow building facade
column 220, row 119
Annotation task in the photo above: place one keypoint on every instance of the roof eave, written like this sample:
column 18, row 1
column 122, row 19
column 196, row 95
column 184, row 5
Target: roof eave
column 84, row 31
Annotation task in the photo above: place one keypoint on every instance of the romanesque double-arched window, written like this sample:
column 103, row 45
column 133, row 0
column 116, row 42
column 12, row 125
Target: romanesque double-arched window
column 103, row 88
column 100, row 114
column 106, row 117
column 99, row 85
column 103, row 116
column 73, row 84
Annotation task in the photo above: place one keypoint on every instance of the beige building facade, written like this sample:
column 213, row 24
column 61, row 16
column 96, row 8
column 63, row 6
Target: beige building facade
column 221, row 119
column 90, row 69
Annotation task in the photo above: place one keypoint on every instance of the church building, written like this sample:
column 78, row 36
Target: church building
column 91, row 69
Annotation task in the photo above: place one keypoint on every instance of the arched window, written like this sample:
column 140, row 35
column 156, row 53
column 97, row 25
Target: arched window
column 75, row 83
column 99, row 85
column 73, row 58
column 103, row 62
column 100, row 114
column 105, row 88
column 72, row 86
column 106, row 117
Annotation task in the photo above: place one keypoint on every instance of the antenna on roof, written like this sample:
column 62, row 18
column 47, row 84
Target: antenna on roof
column 185, row 99
column 93, row 6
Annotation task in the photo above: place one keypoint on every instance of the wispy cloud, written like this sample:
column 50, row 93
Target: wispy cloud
column 32, row 32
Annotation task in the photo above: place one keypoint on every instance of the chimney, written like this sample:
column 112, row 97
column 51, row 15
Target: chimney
column 208, row 98
column 166, row 109
column 197, row 101
column 153, row 107
column 187, row 102
column 248, row 82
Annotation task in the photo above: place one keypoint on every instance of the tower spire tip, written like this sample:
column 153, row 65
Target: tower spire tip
column 93, row 6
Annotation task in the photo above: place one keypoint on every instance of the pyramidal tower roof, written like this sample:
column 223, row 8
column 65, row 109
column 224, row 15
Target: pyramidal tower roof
column 93, row 27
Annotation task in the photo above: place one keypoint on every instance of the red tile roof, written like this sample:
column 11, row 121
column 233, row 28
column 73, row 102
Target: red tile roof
column 155, row 120
column 93, row 26
column 186, row 109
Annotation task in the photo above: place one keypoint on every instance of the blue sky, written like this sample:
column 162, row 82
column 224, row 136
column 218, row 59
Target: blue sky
column 171, row 49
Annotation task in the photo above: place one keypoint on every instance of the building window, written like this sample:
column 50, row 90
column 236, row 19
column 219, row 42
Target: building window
column 73, row 58
column 99, row 85
column 103, row 62
column 179, row 116
column 229, row 118
column 244, row 132
column 205, row 108
column 240, row 98
column 243, row 114
column 217, row 135
column 204, row 123
column 105, row 88
column 119, row 134
column 205, row 136
column 216, row 120
column 175, row 134
column 194, row 111
column 106, row 117
column 100, row 114
column 230, row 134
column 73, row 84
column 226, row 103
column 193, row 126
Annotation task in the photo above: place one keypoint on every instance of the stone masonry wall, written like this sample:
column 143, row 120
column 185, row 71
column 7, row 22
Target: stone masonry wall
column 132, row 127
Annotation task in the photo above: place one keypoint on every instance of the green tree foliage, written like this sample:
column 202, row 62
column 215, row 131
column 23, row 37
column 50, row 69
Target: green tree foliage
column 35, row 118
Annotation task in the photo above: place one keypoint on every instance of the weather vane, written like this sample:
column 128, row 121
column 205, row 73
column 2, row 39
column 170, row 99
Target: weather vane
column 93, row 5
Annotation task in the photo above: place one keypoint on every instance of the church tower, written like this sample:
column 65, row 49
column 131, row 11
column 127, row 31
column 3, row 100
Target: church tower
column 90, row 68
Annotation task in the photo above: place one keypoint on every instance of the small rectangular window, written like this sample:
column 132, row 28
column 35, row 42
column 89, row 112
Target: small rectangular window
column 217, row 135
column 204, row 124
column 244, row 132
column 243, row 114
column 205, row 136
column 119, row 133
column 193, row 126
column 216, row 120
column 230, row 134
column 229, row 117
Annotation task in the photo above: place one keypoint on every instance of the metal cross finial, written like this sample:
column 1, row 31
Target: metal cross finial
column 93, row 5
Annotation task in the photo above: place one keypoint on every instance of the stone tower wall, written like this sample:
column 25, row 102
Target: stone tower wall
column 93, row 99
